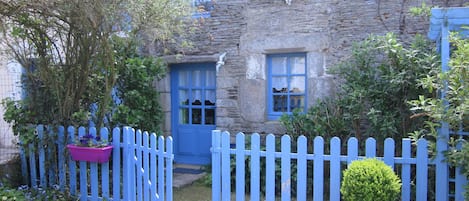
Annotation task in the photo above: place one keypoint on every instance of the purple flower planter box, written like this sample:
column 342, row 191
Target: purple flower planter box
column 90, row 154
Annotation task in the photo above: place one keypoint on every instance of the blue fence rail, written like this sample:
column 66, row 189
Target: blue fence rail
column 413, row 166
column 140, row 167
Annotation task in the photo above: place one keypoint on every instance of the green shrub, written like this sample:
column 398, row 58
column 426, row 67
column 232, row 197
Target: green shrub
column 369, row 180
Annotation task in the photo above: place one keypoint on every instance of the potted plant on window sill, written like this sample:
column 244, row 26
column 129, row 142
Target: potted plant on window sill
column 91, row 149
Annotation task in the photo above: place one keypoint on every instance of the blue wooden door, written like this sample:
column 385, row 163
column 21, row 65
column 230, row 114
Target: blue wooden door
column 193, row 98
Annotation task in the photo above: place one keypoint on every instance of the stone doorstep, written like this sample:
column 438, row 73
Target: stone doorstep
column 181, row 180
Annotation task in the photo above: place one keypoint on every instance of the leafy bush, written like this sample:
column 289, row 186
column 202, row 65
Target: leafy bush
column 453, row 109
column 24, row 193
column 370, row 180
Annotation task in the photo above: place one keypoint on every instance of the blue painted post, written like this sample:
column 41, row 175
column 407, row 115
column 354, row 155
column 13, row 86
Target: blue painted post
column 370, row 148
column 405, row 177
column 285, row 178
column 42, row 157
column 83, row 172
column 335, row 172
column 301, row 172
column 169, row 168
column 270, row 168
column 225, row 167
column 104, row 133
column 61, row 142
column 71, row 163
column 132, row 170
column 255, row 166
column 146, row 167
column 24, row 164
column 116, row 163
column 352, row 150
column 32, row 165
column 94, row 172
column 240, row 173
column 52, row 160
column 422, row 169
column 153, row 165
column 139, row 176
column 318, row 177
column 161, row 167
column 442, row 174
column 216, row 160
column 127, row 156
column 389, row 148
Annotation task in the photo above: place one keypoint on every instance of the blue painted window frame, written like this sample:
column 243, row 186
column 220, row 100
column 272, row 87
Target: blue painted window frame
column 288, row 93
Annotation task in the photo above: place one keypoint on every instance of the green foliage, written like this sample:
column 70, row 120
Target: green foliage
column 453, row 109
column 71, row 64
column 370, row 180
column 324, row 118
column 423, row 10
column 139, row 105
column 24, row 193
column 377, row 80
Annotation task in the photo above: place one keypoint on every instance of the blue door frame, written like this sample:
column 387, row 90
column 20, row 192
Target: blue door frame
column 193, row 97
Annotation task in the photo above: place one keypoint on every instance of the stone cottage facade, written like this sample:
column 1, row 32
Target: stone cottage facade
column 268, row 57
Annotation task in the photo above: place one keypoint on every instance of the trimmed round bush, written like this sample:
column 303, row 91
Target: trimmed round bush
column 370, row 180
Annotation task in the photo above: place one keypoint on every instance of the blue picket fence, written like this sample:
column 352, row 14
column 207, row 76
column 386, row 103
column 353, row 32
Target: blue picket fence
column 414, row 186
column 140, row 167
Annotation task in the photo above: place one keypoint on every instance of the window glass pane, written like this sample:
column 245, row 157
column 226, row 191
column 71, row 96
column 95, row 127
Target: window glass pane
column 184, row 97
column 279, row 84
column 297, row 65
column 183, row 78
column 196, row 116
column 210, row 79
column 280, row 103
column 296, row 101
column 197, row 78
column 297, row 84
column 209, row 116
column 279, row 65
column 183, row 116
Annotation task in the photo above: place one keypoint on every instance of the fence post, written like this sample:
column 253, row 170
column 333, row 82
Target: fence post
column 116, row 163
column 216, row 159
column 169, row 168
column 442, row 173
column 126, row 163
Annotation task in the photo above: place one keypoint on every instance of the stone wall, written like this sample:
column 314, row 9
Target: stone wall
column 247, row 30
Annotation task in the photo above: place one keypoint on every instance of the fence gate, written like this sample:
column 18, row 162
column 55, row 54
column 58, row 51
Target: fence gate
column 147, row 166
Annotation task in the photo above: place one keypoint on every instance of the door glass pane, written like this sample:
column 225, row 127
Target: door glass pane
column 197, row 78
column 209, row 97
column 279, row 84
column 183, row 78
column 196, row 116
column 183, row 97
column 210, row 79
column 209, row 116
column 279, row 65
column 183, row 116
column 297, row 84
column 196, row 97
column 297, row 65
column 280, row 103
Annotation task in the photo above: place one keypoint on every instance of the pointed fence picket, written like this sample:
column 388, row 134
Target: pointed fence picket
column 281, row 159
column 140, row 167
